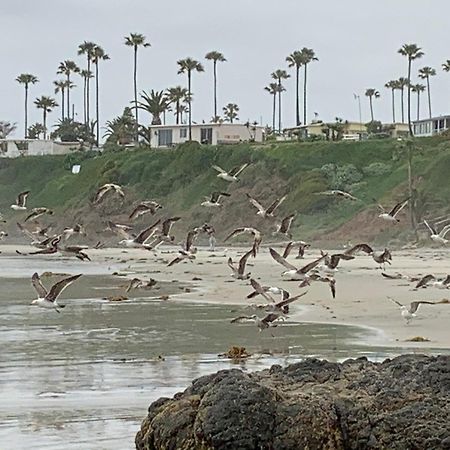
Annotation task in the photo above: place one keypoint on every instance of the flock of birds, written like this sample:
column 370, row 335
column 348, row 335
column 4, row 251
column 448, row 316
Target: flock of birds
column 273, row 311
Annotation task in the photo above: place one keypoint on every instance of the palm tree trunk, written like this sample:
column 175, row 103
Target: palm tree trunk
column 88, row 89
column 62, row 104
column 279, row 107
column 409, row 98
column 177, row 112
column 189, row 103
column 164, row 117
column 97, row 105
column 393, row 106
column 274, row 112
column 44, row 122
column 68, row 95
column 26, row 111
column 304, row 95
column 403, row 105
column 429, row 96
column 135, row 93
column 371, row 107
column 215, row 90
column 297, row 100
column 418, row 105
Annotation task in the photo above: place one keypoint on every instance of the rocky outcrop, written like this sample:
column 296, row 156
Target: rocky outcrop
column 401, row 404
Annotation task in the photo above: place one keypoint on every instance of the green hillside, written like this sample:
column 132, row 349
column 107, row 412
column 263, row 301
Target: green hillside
column 179, row 178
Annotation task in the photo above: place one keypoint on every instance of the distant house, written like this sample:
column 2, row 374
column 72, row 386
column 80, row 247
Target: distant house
column 210, row 133
column 431, row 127
column 13, row 148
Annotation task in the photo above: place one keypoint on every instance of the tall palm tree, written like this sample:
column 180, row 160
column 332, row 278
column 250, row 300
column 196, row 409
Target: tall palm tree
column 136, row 40
column 215, row 57
column 446, row 66
column 68, row 67
column 87, row 48
column 272, row 89
column 46, row 104
column 402, row 83
column 98, row 55
column 230, row 112
column 156, row 103
column 86, row 75
column 35, row 131
column 295, row 59
column 393, row 86
column 412, row 52
column 425, row 73
column 189, row 65
column 279, row 75
column 308, row 56
column 26, row 79
column 418, row 89
column 61, row 86
column 372, row 93
column 177, row 95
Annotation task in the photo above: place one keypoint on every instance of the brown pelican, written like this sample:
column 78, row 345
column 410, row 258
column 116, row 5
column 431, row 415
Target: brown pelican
column 269, row 211
column 438, row 237
column 108, row 187
column 391, row 216
column 48, row 299
column 232, row 175
column 257, row 238
column 38, row 212
column 239, row 272
column 21, row 201
column 214, row 200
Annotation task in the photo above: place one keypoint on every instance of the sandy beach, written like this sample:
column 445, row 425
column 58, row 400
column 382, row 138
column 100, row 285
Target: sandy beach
column 362, row 293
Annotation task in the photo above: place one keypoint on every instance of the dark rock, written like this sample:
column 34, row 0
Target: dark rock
column 403, row 403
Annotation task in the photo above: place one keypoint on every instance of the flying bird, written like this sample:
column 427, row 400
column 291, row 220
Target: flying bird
column 285, row 226
column 20, row 204
column 438, row 237
column 431, row 279
column 409, row 312
column 232, row 175
column 188, row 252
column 214, row 200
column 269, row 211
column 270, row 320
column 338, row 193
column 391, row 216
column 164, row 235
column 257, row 238
column 145, row 207
column 239, row 272
column 38, row 212
column 140, row 240
column 68, row 232
column 108, row 187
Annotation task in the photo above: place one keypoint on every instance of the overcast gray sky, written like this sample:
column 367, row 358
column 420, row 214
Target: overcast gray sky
column 356, row 42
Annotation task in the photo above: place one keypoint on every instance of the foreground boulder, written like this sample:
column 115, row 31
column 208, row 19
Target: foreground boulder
column 402, row 403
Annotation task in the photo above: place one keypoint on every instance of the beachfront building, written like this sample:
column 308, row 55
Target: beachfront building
column 430, row 127
column 205, row 133
column 13, row 148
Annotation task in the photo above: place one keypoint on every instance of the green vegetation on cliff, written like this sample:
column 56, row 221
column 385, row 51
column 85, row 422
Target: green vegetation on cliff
column 179, row 178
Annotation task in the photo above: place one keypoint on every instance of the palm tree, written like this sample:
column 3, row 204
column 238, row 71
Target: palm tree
column 393, row 85
column 188, row 65
column 272, row 89
column 46, row 104
column 215, row 57
column 295, row 59
column 418, row 89
column 86, row 75
column 230, row 112
column 87, row 48
column 26, row 79
column 136, row 40
column 279, row 75
column 446, row 66
column 156, row 103
column 402, row 83
column 412, row 52
column 98, row 55
column 308, row 56
column 177, row 95
column 35, row 131
column 372, row 93
column 6, row 128
column 121, row 129
column 68, row 67
column 61, row 86
column 425, row 73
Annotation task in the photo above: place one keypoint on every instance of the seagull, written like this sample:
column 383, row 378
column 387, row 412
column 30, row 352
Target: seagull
column 136, row 283
column 48, row 299
column 239, row 273
column 267, row 290
column 108, row 187
column 440, row 284
column 257, row 238
column 268, row 321
column 77, row 251
column 301, row 249
column 408, row 313
column 164, row 236
column 380, row 258
column 391, row 216
column 338, row 193
column 3, row 234
column 50, row 249
column 325, row 279
column 331, row 262
column 188, row 252
column 232, row 175
column 144, row 208
column 293, row 273
column 38, row 212
column 140, row 240
column 117, row 228
column 285, row 226
column 438, row 237
column 266, row 212
column 68, row 232
column 399, row 276
column 21, row 201
column 213, row 201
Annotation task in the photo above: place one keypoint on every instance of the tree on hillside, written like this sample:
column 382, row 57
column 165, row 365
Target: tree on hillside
column 68, row 130
column 215, row 57
column 272, row 89
column 155, row 103
column 189, row 65
column 418, row 89
column 86, row 75
column 230, row 112
column 393, row 85
column 295, row 59
column 136, row 40
column 97, row 56
column 371, row 94
column 425, row 73
column 35, row 131
column 47, row 104
column 26, row 79
column 279, row 75
column 122, row 129
column 176, row 96
column 308, row 56
column 412, row 52
column 66, row 68
column 6, row 128
column 62, row 86
column 87, row 49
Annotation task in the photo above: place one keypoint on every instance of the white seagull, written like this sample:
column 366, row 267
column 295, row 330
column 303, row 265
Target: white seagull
column 140, row 240
column 232, row 175
column 21, row 201
column 338, row 193
column 266, row 212
column 438, row 237
column 391, row 216
column 257, row 238
column 409, row 312
column 239, row 272
column 214, row 200
column 108, row 187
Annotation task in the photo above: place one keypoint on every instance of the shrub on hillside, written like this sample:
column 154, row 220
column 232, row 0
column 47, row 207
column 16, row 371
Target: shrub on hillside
column 377, row 169
column 341, row 177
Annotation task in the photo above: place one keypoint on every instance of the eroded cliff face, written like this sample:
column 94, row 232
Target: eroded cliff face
column 401, row 404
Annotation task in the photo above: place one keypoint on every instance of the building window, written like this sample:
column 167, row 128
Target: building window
column 165, row 138
column 206, row 135
column 183, row 133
